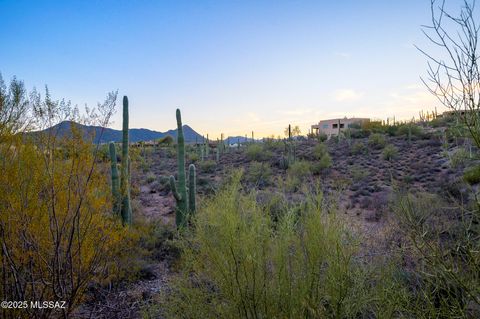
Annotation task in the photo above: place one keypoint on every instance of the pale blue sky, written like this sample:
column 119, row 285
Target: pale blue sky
column 231, row 66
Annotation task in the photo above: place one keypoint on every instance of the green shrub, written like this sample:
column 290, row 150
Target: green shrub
column 165, row 141
column 459, row 158
column 447, row 255
column 359, row 148
column 439, row 122
column 193, row 157
column 320, row 150
column 391, row 130
column 255, row 152
column 207, row 166
column 300, row 169
column 414, row 129
column 260, row 174
column 472, row 175
column 161, row 185
column 171, row 152
column 358, row 173
column 322, row 137
column 273, row 144
column 238, row 263
column 372, row 127
column 296, row 174
column 324, row 163
column 377, row 141
column 274, row 203
column 151, row 177
column 389, row 152
column 359, row 133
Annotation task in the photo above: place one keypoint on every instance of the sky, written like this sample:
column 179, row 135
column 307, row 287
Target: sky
column 230, row 66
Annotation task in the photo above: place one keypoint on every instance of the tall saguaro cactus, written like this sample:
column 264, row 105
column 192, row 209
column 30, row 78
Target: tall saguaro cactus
column 185, row 203
column 115, row 180
column 126, row 208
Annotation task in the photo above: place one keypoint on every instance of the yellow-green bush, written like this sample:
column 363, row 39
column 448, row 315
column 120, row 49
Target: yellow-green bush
column 296, row 174
column 259, row 173
column 320, row 150
column 58, row 231
column 459, row 157
column 446, row 255
column 377, row 141
column 58, row 235
column 236, row 264
column 389, row 152
column 256, row 152
column 472, row 175
column 358, row 148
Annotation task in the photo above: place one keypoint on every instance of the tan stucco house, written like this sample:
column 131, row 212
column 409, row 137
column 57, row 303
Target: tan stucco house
column 333, row 126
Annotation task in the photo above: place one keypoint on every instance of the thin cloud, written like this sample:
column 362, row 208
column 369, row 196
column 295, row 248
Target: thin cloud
column 253, row 117
column 344, row 55
column 343, row 95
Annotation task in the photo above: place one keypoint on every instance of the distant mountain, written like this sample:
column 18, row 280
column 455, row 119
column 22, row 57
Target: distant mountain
column 111, row 135
column 236, row 139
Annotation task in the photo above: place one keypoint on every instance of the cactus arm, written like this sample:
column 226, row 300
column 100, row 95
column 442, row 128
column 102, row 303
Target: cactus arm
column 192, row 191
column 173, row 187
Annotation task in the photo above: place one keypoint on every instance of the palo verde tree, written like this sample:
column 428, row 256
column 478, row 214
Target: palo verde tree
column 453, row 70
column 57, row 235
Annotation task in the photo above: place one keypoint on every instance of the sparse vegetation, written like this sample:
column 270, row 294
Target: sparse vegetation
column 377, row 141
column 459, row 157
column 259, row 174
column 255, row 152
column 390, row 152
column 472, row 175
column 234, row 264
column 207, row 166
column 359, row 148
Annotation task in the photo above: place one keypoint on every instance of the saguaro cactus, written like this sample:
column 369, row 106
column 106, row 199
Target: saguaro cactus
column 126, row 208
column 115, row 179
column 180, row 192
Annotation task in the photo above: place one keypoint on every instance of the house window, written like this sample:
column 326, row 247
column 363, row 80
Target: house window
column 335, row 126
column 341, row 125
column 325, row 126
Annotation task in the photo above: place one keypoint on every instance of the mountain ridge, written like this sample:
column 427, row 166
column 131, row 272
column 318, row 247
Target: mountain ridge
column 106, row 135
